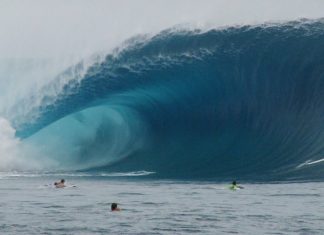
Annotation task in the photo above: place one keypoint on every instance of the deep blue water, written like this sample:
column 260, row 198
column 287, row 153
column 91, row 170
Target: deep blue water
column 30, row 205
column 240, row 102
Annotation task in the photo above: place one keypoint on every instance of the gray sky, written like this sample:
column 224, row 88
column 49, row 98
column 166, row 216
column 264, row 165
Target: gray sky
column 62, row 28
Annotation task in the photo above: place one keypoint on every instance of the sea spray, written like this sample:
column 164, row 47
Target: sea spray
column 8, row 146
column 15, row 155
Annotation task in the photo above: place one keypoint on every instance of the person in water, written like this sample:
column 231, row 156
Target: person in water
column 234, row 186
column 60, row 184
column 114, row 207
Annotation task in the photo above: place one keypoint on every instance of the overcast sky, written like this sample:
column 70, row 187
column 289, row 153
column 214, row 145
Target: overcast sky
column 41, row 28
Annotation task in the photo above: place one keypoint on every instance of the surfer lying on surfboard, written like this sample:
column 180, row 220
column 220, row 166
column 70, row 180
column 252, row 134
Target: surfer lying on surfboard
column 60, row 184
column 234, row 186
column 114, row 207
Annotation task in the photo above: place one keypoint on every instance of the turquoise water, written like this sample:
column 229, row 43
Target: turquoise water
column 30, row 205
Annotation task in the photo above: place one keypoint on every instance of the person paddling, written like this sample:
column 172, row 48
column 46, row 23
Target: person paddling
column 114, row 207
column 234, row 186
column 60, row 184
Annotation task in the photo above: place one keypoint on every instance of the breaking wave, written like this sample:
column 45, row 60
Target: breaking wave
column 237, row 102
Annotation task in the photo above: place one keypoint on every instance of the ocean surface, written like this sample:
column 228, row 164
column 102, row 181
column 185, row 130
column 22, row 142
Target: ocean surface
column 29, row 204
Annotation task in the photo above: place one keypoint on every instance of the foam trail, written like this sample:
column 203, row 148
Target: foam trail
column 310, row 162
column 127, row 174
column 34, row 174
column 315, row 162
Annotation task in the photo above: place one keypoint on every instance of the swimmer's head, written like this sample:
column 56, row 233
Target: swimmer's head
column 234, row 182
column 113, row 206
column 62, row 181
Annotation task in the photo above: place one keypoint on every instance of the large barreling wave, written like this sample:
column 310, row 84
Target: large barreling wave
column 241, row 102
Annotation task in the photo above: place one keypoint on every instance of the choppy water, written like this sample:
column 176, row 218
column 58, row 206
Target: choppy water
column 29, row 206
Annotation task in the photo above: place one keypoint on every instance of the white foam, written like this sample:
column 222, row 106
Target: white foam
column 128, row 174
column 13, row 155
column 35, row 174
column 310, row 162
column 8, row 144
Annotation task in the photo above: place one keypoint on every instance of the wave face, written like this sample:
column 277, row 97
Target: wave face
column 240, row 102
